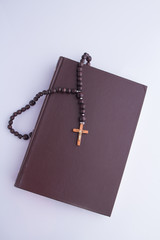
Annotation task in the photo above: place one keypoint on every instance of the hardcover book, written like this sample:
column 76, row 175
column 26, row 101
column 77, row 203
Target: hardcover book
column 89, row 175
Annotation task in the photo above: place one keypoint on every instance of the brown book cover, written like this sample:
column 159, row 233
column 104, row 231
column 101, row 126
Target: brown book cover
column 89, row 175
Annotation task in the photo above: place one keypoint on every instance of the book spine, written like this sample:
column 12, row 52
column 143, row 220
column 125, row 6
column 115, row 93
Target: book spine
column 42, row 111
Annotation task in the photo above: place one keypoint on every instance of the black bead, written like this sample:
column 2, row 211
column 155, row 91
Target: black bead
column 59, row 89
column 25, row 137
column 80, row 64
column 68, row 90
column 35, row 98
column 23, row 109
column 12, row 130
column 89, row 58
column 30, row 134
column 79, row 83
column 80, row 101
column 73, row 90
column 82, row 106
column 37, row 95
column 44, row 92
column 82, row 61
column 82, row 111
column 82, row 119
column 12, row 117
column 19, row 136
column 16, row 133
column 79, row 74
column 9, row 127
column 79, row 69
column 63, row 90
column 14, row 114
column 79, row 78
column 79, row 88
column 10, row 122
column 27, row 106
column 84, row 56
column 32, row 103
column 79, row 95
column 19, row 112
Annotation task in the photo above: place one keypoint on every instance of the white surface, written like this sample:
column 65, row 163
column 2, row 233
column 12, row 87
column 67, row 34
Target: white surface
column 123, row 38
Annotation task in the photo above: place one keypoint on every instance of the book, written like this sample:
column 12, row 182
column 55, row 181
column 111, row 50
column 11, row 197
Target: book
column 87, row 176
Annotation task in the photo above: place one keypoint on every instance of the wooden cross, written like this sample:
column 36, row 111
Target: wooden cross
column 80, row 131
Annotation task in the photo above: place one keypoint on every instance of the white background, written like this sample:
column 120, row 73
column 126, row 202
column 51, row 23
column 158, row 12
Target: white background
column 123, row 37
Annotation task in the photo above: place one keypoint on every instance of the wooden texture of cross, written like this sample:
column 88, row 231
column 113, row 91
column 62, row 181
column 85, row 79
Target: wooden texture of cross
column 80, row 131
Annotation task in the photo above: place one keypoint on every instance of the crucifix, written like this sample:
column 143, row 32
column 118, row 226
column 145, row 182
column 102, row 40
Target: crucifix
column 80, row 131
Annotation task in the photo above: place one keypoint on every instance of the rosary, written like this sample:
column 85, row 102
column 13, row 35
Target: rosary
column 77, row 92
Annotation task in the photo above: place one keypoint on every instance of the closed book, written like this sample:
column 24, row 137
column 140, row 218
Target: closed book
column 89, row 175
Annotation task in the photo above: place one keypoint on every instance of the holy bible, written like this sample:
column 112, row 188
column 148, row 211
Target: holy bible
column 89, row 175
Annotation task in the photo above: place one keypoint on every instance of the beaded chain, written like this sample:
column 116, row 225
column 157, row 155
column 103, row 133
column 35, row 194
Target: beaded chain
column 77, row 92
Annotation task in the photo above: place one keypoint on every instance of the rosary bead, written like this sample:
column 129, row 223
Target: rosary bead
column 23, row 109
column 16, row 133
column 19, row 112
column 82, row 119
column 12, row 117
column 79, row 83
column 35, row 98
column 12, row 130
column 44, row 92
column 79, row 95
column 27, row 106
column 80, row 88
column 68, row 90
column 32, row 103
column 73, row 90
column 82, row 106
column 89, row 58
column 82, row 111
column 80, row 64
column 10, row 122
column 14, row 114
column 54, row 90
column 63, row 90
column 9, row 127
column 79, row 74
column 59, row 89
column 30, row 134
column 82, row 61
column 80, row 101
column 25, row 137
column 79, row 69
column 19, row 136
column 84, row 56
column 79, row 79
column 37, row 95
column 40, row 94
